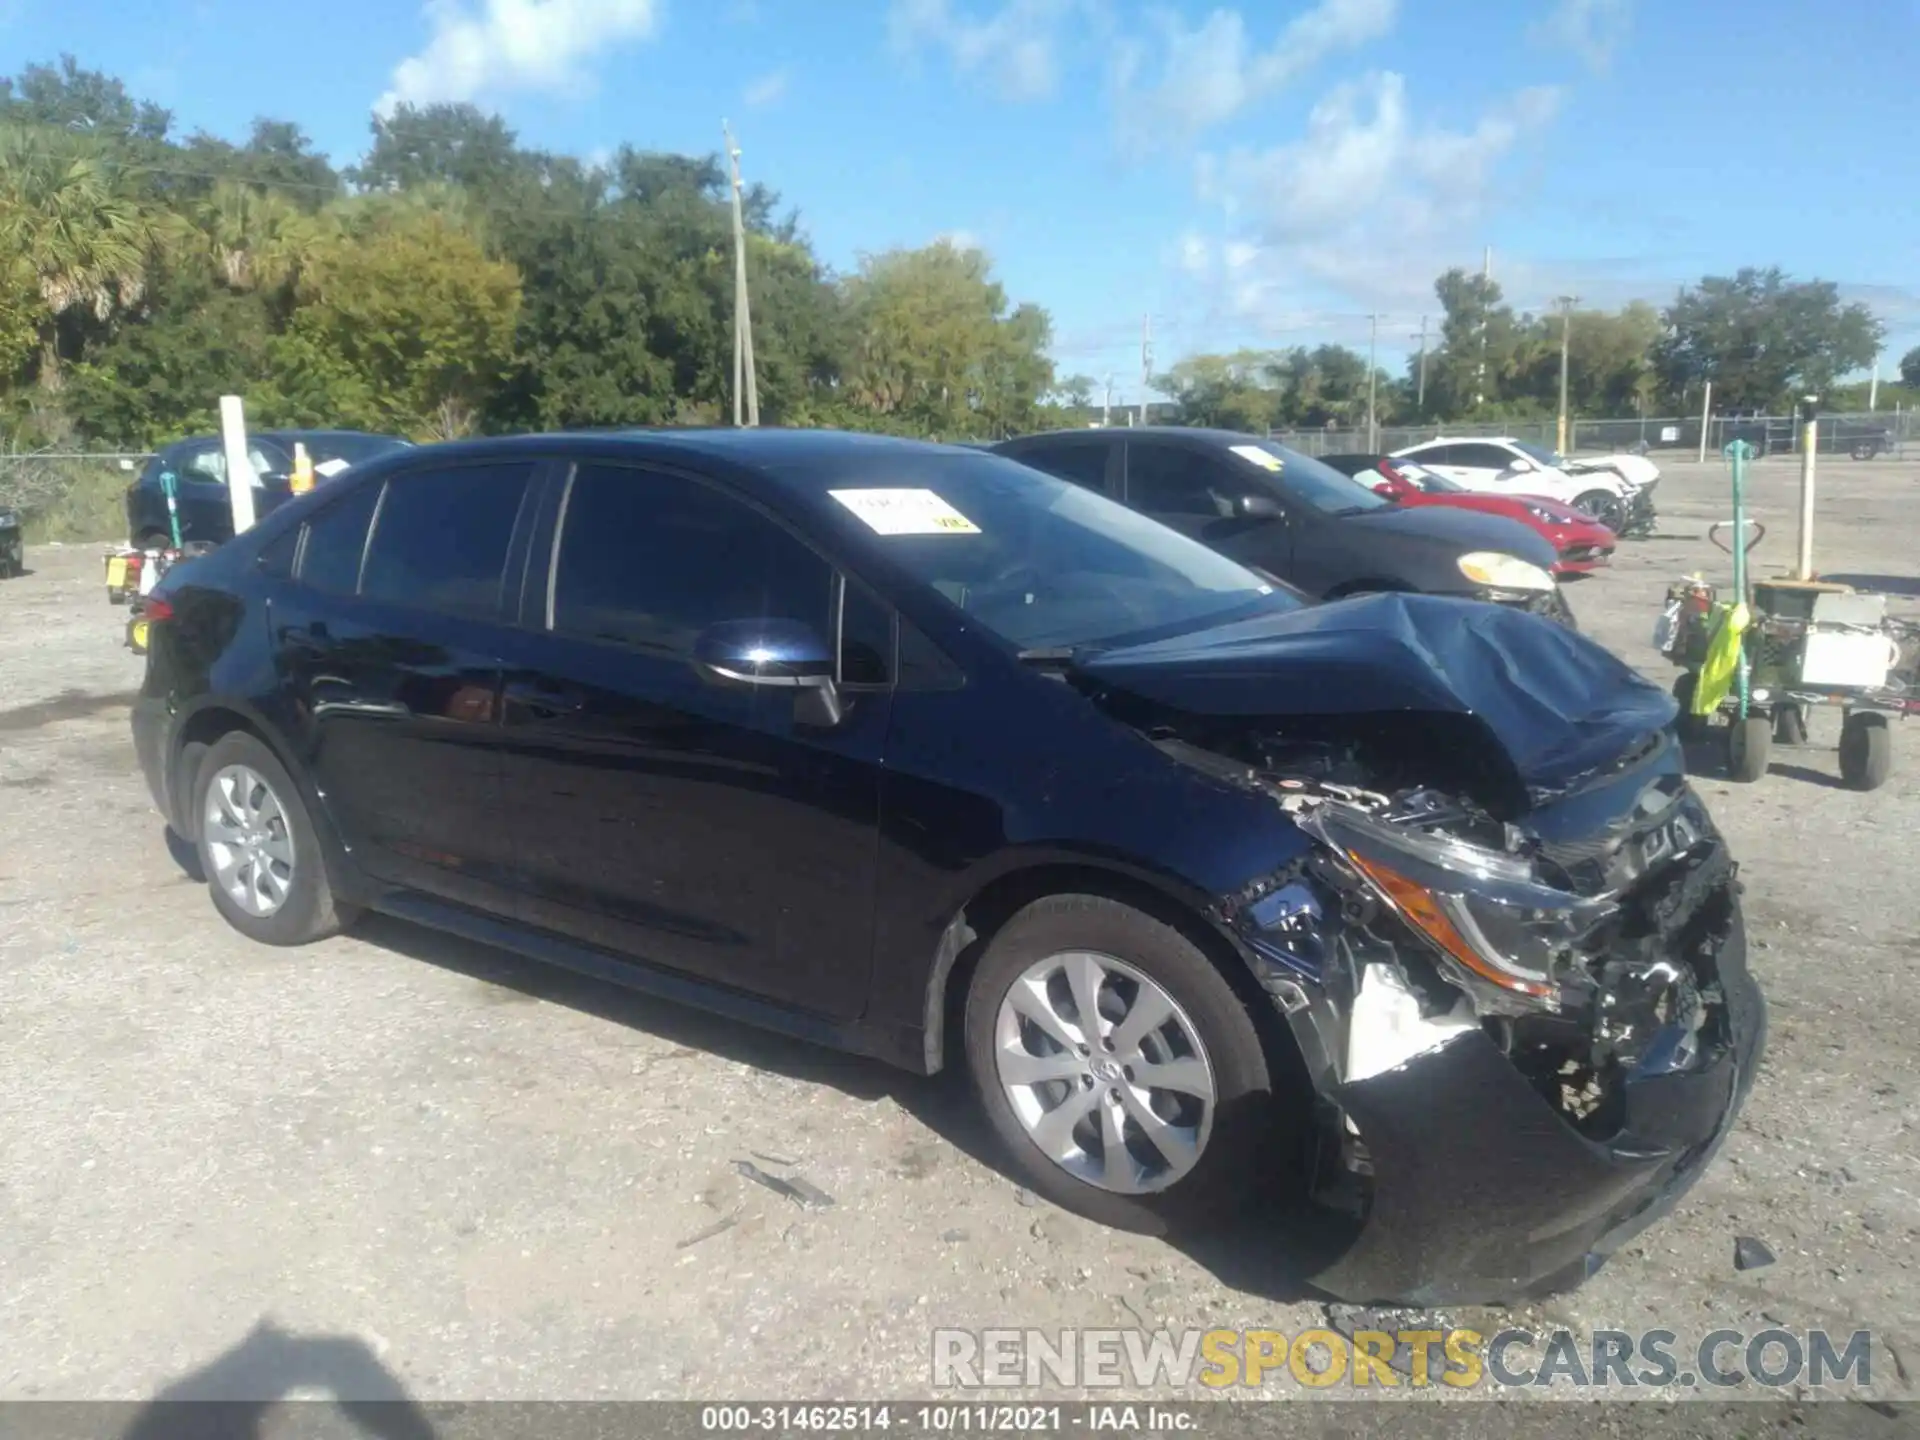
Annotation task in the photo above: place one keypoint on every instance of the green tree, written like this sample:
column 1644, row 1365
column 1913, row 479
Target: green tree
column 455, row 144
column 412, row 307
column 1225, row 392
column 66, row 97
column 83, row 241
column 1910, row 369
column 936, row 350
column 1762, row 339
column 1479, row 337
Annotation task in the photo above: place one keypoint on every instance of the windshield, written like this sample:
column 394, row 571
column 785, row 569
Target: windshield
column 1043, row 563
column 1539, row 454
column 1426, row 480
column 350, row 448
column 1311, row 482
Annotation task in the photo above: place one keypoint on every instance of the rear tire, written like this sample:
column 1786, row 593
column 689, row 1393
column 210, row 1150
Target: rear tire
column 1866, row 750
column 1790, row 725
column 1240, row 1120
column 1604, row 506
column 301, row 899
column 1749, row 745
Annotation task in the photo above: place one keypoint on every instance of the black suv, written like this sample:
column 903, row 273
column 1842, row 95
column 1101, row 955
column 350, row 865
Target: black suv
column 916, row 751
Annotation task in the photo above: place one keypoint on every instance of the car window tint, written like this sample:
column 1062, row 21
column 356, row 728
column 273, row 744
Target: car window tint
column 440, row 540
column 866, row 638
column 923, row 665
column 1483, row 457
column 336, row 538
column 1169, row 480
column 276, row 556
column 1082, row 463
column 651, row 560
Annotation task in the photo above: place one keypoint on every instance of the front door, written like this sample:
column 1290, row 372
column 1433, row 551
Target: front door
column 389, row 649
column 1200, row 494
column 672, row 817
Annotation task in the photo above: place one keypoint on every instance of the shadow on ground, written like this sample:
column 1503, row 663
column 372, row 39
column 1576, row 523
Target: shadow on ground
column 230, row 1396
column 1884, row 584
column 1266, row 1255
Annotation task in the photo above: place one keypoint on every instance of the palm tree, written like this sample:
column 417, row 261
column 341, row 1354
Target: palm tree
column 257, row 240
column 84, row 243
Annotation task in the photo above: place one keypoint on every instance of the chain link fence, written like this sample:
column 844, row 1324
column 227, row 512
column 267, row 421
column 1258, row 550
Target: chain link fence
column 1865, row 435
column 68, row 495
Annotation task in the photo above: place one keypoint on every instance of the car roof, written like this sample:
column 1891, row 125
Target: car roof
column 1198, row 436
column 806, row 462
column 1465, row 440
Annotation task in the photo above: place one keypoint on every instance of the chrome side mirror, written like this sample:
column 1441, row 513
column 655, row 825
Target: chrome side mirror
column 784, row 654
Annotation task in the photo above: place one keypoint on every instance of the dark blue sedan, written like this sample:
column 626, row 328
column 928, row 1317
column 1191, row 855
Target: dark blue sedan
column 199, row 470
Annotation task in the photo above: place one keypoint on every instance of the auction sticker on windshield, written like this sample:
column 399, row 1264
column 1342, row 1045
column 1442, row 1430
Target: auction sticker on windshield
column 905, row 512
column 1253, row 454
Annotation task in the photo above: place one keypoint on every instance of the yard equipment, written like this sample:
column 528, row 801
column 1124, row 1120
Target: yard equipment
column 1768, row 651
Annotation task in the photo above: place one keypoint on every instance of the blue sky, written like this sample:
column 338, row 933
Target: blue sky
column 1268, row 174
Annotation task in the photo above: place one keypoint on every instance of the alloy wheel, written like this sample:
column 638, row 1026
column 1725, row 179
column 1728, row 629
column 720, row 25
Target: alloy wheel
column 1105, row 1072
column 248, row 840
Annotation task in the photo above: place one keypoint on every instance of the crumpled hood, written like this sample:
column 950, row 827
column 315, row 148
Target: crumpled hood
column 1558, row 704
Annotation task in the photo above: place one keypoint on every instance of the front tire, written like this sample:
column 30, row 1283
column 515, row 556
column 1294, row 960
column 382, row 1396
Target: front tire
column 1603, row 506
column 1866, row 750
column 258, row 848
column 1749, row 745
column 1161, row 1109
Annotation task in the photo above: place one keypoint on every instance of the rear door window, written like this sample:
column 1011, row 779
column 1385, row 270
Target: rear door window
column 1171, row 480
column 441, row 537
column 1081, row 462
column 336, row 539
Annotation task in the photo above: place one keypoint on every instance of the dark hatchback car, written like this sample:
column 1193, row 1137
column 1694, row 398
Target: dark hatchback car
column 919, row 752
column 199, row 470
column 1286, row 513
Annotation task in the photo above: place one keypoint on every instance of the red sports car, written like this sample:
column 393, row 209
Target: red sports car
column 1583, row 544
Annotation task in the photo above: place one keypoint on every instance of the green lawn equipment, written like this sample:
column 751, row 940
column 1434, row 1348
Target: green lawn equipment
column 1768, row 651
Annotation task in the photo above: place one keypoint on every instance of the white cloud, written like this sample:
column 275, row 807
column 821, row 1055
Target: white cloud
column 1368, row 201
column 1210, row 72
column 493, row 45
column 958, row 239
column 1592, row 29
column 1015, row 46
column 767, row 89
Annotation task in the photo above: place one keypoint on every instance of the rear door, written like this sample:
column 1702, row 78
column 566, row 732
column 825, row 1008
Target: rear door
column 389, row 643
column 1199, row 493
column 664, row 813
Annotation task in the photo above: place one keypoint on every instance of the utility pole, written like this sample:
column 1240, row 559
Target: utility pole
column 1420, row 400
column 1480, row 376
column 1146, row 362
column 1566, row 304
column 1106, row 403
column 1873, row 389
column 743, row 373
column 1706, row 419
column 1373, row 343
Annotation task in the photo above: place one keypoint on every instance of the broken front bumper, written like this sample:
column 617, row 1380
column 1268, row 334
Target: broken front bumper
column 1482, row 1192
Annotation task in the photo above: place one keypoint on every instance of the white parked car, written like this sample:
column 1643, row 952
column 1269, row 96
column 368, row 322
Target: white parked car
column 1602, row 488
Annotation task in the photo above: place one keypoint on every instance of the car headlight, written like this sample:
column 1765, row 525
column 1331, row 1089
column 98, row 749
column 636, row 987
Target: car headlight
column 1498, row 932
column 1542, row 514
column 1503, row 572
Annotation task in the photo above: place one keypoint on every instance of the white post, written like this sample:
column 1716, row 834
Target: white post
column 1809, row 450
column 1873, row 390
column 240, row 478
column 1706, row 417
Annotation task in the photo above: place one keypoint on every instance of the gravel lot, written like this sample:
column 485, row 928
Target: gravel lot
column 491, row 1174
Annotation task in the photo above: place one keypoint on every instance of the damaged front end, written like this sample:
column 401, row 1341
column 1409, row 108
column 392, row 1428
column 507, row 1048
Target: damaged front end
column 1527, row 1034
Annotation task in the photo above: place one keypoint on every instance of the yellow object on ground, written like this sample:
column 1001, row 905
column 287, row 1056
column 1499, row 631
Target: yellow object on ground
column 116, row 572
column 1717, row 673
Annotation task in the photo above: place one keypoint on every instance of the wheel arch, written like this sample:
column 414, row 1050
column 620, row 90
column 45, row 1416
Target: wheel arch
column 999, row 898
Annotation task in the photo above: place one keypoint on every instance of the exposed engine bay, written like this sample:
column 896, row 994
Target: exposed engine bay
column 1587, row 958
